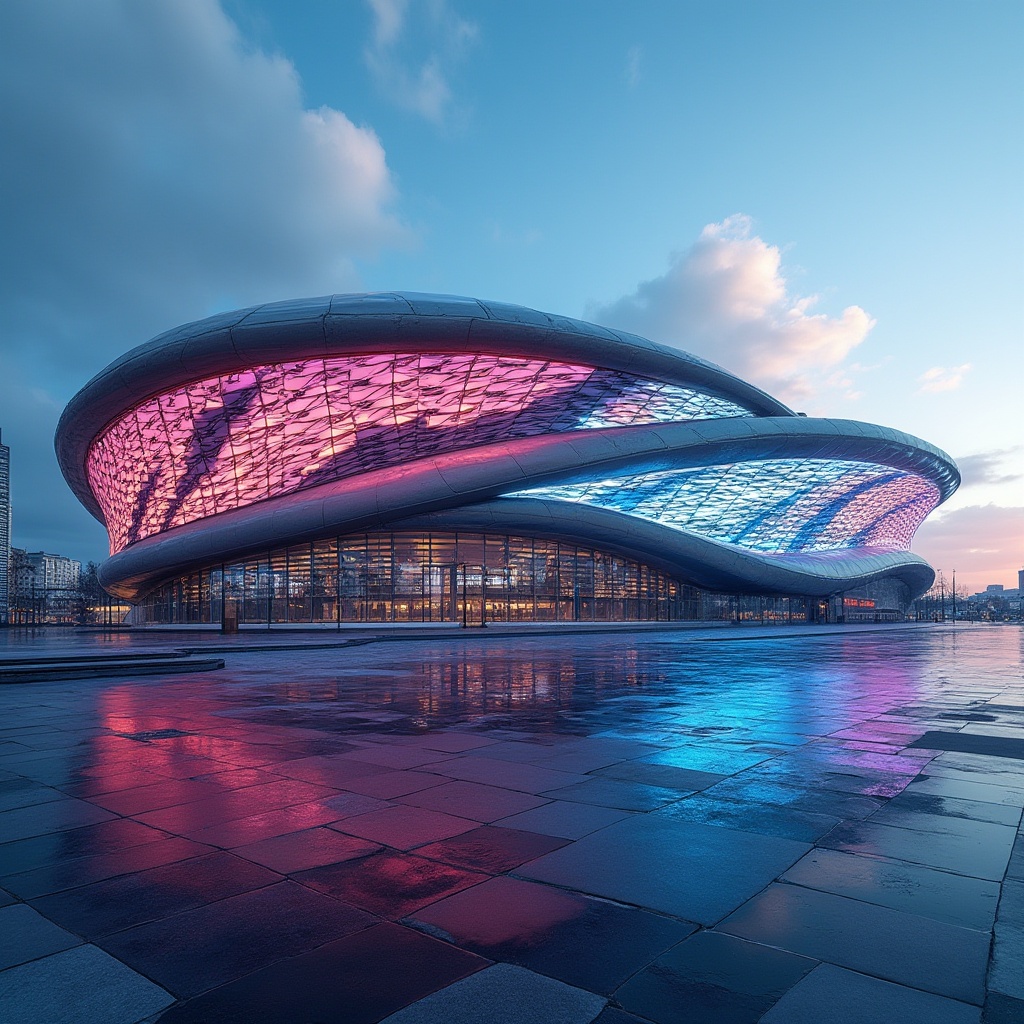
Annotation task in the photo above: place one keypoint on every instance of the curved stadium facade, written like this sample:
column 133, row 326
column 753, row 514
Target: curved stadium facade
column 418, row 458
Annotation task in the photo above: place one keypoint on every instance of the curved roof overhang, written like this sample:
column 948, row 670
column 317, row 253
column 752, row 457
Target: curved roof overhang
column 448, row 483
column 700, row 561
column 374, row 323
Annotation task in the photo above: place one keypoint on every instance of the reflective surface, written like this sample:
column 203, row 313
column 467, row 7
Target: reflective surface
column 689, row 823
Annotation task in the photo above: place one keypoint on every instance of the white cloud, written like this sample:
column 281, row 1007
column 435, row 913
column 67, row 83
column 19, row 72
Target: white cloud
column 157, row 168
column 415, row 46
column 942, row 378
column 726, row 298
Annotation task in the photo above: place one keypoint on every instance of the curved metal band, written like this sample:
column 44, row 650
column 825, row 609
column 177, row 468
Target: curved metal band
column 449, row 482
column 382, row 323
column 703, row 562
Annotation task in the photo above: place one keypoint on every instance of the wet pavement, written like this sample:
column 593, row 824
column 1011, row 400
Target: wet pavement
column 782, row 825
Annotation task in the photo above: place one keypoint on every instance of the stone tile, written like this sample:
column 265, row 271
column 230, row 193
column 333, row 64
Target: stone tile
column 1006, row 971
column 624, row 796
column 666, row 776
column 710, row 757
column 526, row 778
column 911, row 799
column 855, row 999
column 955, row 899
column 405, row 827
column 139, row 799
column 390, row 756
column 15, row 793
column 934, row 785
column 715, row 977
column 53, row 816
column 690, row 870
column 472, row 800
column 831, row 803
column 355, row 980
column 454, row 742
column 919, row 952
column 1000, row 1009
column 1015, row 869
column 388, row 784
column 491, row 849
column 230, row 805
column 512, row 995
column 285, row 820
column 299, row 851
column 195, row 951
column 764, row 819
column 76, row 986
column 390, row 885
column 564, row 819
column 588, row 943
column 326, row 770
column 27, row 935
column 118, row 903
column 613, row 1015
column 982, row 853
column 107, row 837
column 77, row 871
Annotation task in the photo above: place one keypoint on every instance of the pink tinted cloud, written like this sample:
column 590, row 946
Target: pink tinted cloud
column 942, row 378
column 984, row 543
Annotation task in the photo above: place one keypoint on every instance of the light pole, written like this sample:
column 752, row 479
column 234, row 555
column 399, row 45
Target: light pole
column 954, row 595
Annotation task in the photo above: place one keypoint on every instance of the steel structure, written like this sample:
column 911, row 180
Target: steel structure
column 404, row 413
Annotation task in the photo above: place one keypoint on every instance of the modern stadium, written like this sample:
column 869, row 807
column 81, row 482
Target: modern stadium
column 414, row 458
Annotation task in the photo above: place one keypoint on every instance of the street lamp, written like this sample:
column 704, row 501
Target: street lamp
column 954, row 595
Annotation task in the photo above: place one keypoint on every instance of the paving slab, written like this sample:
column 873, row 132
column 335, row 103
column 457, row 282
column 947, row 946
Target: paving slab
column 853, row 998
column 711, row 763
column 919, row 952
column 713, row 977
column 390, row 884
column 510, row 994
column 355, row 980
column 688, row 869
column 220, row 942
column 81, row 984
column 955, row 899
column 27, row 935
column 588, row 943
column 981, row 849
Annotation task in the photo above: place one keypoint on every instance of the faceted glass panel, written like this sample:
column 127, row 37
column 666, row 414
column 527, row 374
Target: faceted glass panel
column 773, row 506
column 238, row 438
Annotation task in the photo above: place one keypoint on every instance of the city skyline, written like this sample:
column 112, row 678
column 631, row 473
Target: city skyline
column 825, row 202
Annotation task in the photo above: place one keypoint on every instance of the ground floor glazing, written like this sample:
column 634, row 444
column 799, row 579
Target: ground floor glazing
column 467, row 578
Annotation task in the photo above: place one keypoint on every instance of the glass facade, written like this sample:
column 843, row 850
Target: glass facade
column 425, row 577
column 237, row 438
column 774, row 505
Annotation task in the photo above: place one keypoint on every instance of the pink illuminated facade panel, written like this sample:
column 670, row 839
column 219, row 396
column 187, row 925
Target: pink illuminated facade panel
column 236, row 439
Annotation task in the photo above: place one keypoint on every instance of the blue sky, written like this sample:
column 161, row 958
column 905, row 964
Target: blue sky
column 824, row 198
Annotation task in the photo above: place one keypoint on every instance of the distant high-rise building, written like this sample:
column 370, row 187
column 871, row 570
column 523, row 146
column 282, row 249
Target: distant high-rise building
column 1020, row 580
column 5, row 528
column 54, row 572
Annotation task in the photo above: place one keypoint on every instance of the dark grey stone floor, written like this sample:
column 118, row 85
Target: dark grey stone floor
column 730, row 826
